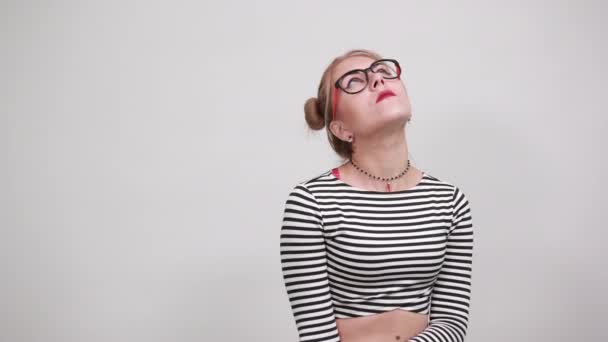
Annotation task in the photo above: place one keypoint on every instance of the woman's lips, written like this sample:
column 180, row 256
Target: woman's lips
column 384, row 94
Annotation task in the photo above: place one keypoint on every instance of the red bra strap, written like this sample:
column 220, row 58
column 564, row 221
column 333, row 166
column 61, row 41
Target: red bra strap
column 336, row 172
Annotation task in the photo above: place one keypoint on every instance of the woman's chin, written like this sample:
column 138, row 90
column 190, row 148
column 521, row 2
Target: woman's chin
column 396, row 114
column 386, row 122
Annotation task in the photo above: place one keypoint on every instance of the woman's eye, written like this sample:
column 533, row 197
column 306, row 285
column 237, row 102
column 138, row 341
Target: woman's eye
column 356, row 79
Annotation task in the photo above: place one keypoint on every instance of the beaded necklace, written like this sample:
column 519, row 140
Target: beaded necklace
column 387, row 180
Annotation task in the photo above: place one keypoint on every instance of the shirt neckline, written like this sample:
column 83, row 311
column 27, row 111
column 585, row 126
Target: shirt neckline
column 415, row 187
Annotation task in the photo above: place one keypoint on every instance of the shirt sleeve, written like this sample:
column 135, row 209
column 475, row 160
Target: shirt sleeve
column 304, row 268
column 449, row 312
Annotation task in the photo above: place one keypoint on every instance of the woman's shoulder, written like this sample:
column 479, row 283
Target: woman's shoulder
column 447, row 183
column 319, row 177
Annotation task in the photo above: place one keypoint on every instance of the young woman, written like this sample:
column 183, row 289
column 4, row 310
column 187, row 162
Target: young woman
column 374, row 250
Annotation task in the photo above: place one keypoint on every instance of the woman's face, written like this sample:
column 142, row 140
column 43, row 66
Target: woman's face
column 362, row 114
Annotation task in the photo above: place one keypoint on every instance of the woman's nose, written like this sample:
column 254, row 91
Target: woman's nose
column 376, row 80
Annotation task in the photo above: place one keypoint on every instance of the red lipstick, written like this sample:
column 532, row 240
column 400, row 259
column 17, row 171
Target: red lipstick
column 384, row 94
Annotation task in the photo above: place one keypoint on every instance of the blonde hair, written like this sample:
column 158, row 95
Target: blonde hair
column 318, row 110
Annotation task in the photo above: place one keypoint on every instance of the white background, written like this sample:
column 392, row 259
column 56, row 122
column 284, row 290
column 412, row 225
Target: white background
column 148, row 149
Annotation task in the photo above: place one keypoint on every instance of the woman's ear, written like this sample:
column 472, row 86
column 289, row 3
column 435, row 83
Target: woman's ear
column 338, row 128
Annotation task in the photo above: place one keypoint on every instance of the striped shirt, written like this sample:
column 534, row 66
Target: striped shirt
column 351, row 252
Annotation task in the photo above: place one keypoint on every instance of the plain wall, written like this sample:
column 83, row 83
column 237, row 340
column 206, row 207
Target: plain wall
column 148, row 148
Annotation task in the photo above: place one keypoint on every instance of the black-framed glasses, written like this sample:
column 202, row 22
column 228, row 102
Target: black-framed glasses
column 356, row 80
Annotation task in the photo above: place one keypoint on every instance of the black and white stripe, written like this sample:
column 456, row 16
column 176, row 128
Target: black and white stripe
column 349, row 252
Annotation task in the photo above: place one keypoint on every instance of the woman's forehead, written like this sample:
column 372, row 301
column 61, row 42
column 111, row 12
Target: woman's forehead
column 350, row 63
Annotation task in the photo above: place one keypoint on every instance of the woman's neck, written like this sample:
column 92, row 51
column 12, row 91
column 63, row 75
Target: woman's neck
column 386, row 157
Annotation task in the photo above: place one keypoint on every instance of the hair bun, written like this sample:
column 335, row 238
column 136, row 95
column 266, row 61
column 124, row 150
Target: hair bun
column 312, row 114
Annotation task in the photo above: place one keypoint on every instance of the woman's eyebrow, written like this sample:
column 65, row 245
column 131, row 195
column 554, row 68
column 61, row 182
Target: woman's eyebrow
column 353, row 71
column 346, row 73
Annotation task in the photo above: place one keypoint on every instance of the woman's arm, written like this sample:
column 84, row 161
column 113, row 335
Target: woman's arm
column 449, row 313
column 304, row 268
